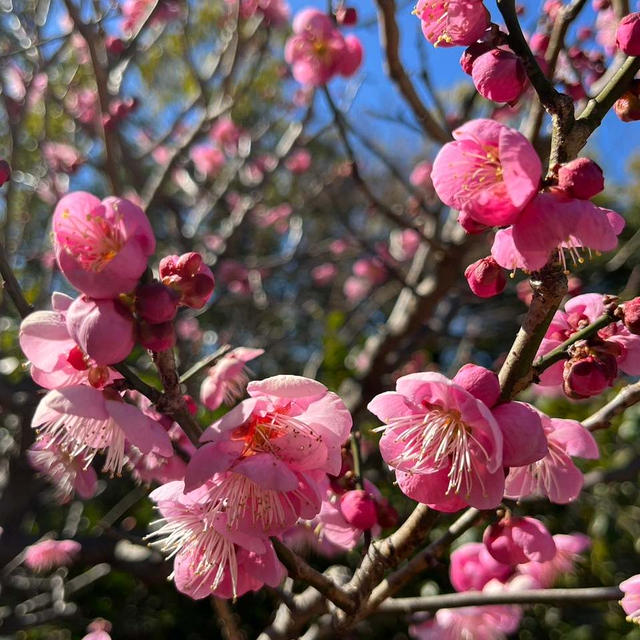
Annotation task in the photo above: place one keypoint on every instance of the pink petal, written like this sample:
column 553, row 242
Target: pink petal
column 144, row 433
column 524, row 440
column 268, row 472
column 286, row 386
column 576, row 440
column 205, row 462
column 479, row 382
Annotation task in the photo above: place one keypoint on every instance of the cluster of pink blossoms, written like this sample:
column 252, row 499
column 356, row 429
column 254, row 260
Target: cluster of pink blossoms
column 317, row 51
column 491, row 174
column 102, row 248
column 450, row 441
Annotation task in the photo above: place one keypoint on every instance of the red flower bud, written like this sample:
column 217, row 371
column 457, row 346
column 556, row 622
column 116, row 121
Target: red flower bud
column 627, row 107
column 156, row 303
column 471, row 53
column 190, row 277
column 485, row 277
column 582, row 178
column 347, row 16
column 589, row 371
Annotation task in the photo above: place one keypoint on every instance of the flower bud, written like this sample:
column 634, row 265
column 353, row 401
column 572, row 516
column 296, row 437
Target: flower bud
column 5, row 172
column 590, row 370
column 115, row 46
column 359, row 509
column 156, row 337
column 190, row 277
column 519, row 540
column 631, row 313
column 156, row 303
column 582, row 178
column 470, row 225
column 628, row 34
column 471, row 53
column 499, row 75
column 103, row 329
column 485, row 277
column 627, row 106
column 539, row 43
column 347, row 16
column 351, row 58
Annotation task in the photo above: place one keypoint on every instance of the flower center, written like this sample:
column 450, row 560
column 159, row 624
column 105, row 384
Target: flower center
column 92, row 241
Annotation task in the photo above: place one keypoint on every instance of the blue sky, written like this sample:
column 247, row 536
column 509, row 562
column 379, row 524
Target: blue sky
column 614, row 142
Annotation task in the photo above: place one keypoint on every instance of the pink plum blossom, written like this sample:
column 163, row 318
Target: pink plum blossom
column 103, row 329
column 317, row 50
column 545, row 574
column 98, row 630
column 582, row 178
column 226, row 133
column 67, row 474
column 49, row 554
column 577, row 314
column 355, row 289
column 515, row 540
column 83, row 421
column 101, row 247
column 489, row 622
column 555, row 475
column 553, row 222
column 490, row 171
column 62, row 158
column 449, row 440
column 56, row 360
column 227, row 380
column 472, row 567
column 447, row 23
column 631, row 600
column 210, row 558
column 264, row 458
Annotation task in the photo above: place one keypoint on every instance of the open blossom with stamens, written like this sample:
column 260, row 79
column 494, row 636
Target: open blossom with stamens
column 101, row 247
column 266, row 457
column 227, row 380
column 56, row 360
column 317, row 50
column 444, row 444
column 448, row 440
column 577, row 314
column 67, row 474
column 555, row 222
column 490, row 172
column 210, row 558
column 555, row 475
column 83, row 421
column 48, row 554
column 447, row 23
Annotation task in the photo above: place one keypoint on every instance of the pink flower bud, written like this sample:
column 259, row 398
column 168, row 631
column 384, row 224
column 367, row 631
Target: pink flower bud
column 600, row 5
column 519, row 540
column 190, row 277
column 103, row 329
column 631, row 311
column 156, row 337
column 359, row 509
column 347, row 16
column 539, row 42
column 5, row 172
column 628, row 34
column 115, row 46
column 471, row 53
column 582, row 178
column 589, row 372
column 499, row 75
column 485, row 277
column 156, row 303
